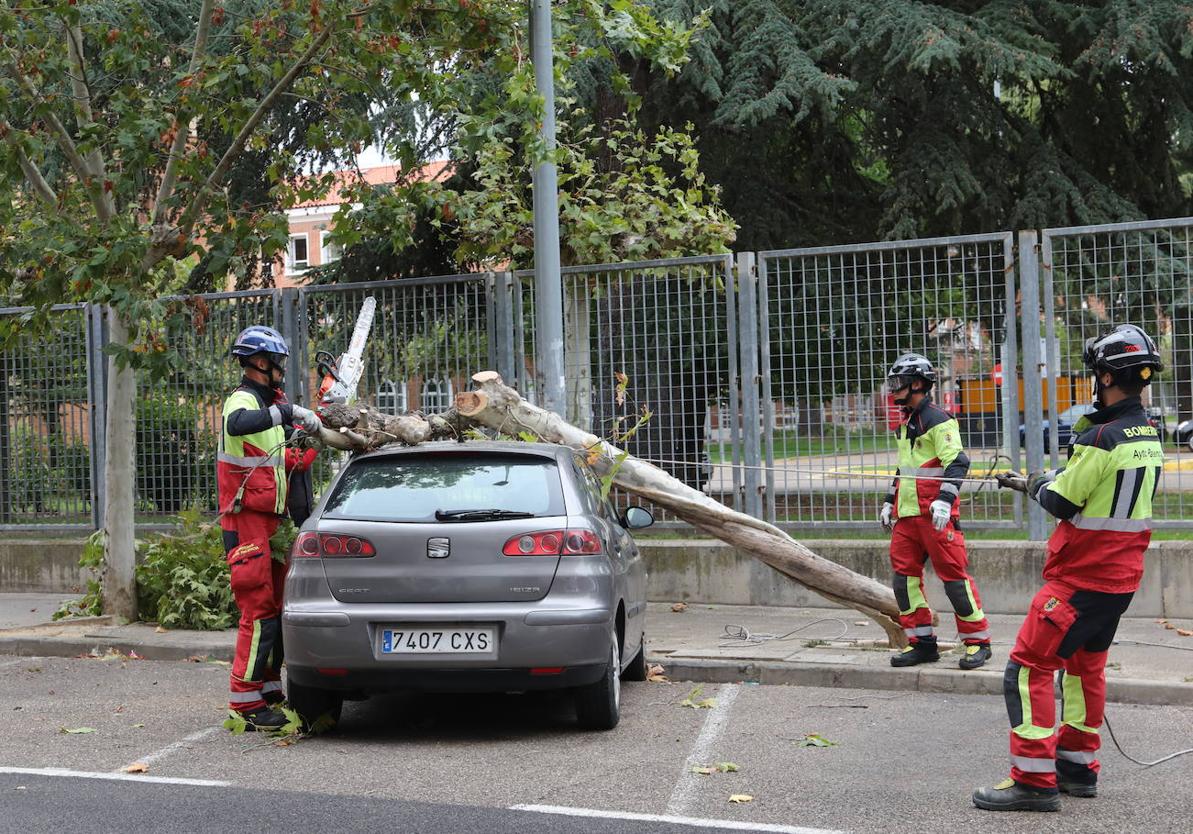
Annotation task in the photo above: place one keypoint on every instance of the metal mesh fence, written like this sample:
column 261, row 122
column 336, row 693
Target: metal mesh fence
column 1097, row 277
column 834, row 320
column 651, row 364
column 177, row 420
column 45, row 425
column 429, row 336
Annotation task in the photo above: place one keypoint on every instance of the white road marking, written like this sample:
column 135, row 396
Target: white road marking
column 170, row 748
column 117, row 777
column 732, row 825
column 687, row 786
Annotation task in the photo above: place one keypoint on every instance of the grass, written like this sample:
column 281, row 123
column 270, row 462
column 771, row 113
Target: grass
column 790, row 443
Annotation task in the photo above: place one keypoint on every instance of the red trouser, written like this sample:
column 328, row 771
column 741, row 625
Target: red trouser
column 1070, row 629
column 913, row 542
column 257, row 585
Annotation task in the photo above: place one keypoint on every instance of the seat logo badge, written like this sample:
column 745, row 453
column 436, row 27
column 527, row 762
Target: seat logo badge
column 439, row 548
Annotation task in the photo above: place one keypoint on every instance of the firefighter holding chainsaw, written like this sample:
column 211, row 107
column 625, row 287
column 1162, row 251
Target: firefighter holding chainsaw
column 921, row 512
column 1103, row 498
column 254, row 469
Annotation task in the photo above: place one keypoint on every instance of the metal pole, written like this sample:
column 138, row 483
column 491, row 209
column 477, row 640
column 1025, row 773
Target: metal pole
column 1033, row 395
column 750, row 408
column 548, row 282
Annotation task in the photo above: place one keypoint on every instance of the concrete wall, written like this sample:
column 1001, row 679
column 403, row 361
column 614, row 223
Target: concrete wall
column 49, row 566
column 1008, row 573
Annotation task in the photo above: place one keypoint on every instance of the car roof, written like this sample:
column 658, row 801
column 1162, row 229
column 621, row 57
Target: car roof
column 517, row 447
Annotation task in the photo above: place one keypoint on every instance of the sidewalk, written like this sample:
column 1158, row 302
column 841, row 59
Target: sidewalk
column 1149, row 663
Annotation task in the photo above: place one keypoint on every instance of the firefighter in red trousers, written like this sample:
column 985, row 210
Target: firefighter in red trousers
column 1103, row 497
column 922, row 515
column 254, row 469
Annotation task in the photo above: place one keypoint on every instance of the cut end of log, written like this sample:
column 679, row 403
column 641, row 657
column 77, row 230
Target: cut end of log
column 470, row 403
column 481, row 377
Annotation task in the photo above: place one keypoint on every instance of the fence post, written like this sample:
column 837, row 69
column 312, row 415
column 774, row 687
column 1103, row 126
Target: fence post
column 750, row 412
column 97, row 396
column 768, row 401
column 1052, row 351
column 1009, row 357
column 501, row 288
column 286, row 302
column 1033, row 399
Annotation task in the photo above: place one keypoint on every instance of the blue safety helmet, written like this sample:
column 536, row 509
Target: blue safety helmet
column 259, row 339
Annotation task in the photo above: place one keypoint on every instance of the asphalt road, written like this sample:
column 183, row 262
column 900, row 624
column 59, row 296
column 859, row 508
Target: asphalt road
column 900, row 761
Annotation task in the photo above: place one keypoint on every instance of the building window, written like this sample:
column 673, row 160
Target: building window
column 391, row 397
column 436, row 395
column 329, row 251
column 297, row 256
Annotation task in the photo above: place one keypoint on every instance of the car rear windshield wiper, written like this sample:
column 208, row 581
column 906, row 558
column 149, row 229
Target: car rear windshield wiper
column 480, row 515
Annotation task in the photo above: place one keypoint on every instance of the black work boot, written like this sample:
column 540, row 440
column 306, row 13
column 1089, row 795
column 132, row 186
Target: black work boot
column 1076, row 779
column 976, row 654
column 273, row 698
column 922, row 651
column 266, row 718
column 1011, row 796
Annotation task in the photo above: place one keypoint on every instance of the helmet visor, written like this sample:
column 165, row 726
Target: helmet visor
column 897, row 382
column 278, row 360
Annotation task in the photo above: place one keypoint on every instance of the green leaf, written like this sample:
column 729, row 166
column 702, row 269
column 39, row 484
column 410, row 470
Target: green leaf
column 235, row 722
column 815, row 740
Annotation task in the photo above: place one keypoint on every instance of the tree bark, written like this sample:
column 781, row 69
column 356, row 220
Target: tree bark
column 120, row 586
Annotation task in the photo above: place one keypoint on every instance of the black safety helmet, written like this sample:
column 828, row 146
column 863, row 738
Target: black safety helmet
column 908, row 368
column 1126, row 352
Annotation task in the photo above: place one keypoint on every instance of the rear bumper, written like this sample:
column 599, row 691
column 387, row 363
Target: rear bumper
column 377, row 681
column 527, row 637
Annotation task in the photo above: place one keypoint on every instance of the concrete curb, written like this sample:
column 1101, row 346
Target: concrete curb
column 217, row 646
column 989, row 682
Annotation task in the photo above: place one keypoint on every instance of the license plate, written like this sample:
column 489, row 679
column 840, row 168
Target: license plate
column 451, row 640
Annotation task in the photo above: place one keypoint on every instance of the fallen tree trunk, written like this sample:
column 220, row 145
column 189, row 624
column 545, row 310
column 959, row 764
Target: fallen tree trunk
column 496, row 406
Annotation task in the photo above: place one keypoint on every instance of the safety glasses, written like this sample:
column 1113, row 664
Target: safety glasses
column 900, row 381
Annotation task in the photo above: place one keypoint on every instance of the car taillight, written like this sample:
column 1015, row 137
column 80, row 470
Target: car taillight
column 553, row 543
column 331, row 546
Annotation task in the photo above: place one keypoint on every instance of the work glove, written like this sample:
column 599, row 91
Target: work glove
column 885, row 517
column 307, row 420
column 1037, row 481
column 1012, row 480
column 940, row 511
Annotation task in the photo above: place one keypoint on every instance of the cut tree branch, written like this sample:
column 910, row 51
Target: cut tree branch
column 496, row 406
column 182, row 132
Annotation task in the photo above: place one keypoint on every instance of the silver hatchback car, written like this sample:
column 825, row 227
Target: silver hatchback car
column 478, row 566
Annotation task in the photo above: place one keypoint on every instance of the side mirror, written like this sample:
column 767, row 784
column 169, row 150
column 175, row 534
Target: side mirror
column 636, row 518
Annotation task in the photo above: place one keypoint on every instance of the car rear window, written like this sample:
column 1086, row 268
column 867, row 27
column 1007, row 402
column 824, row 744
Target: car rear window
column 413, row 487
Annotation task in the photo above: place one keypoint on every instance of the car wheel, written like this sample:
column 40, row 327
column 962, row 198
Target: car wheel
column 598, row 705
column 636, row 671
column 312, row 704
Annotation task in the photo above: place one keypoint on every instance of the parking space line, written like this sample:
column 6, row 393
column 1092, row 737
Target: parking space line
column 170, row 748
column 685, row 789
column 732, row 825
column 117, row 777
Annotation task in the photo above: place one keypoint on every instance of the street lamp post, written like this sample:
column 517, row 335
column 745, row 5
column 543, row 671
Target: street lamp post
column 548, row 282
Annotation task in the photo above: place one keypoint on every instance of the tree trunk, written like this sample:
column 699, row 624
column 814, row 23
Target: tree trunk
column 499, row 407
column 120, row 589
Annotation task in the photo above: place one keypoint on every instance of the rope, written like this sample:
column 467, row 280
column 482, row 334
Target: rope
column 740, row 635
column 1141, row 763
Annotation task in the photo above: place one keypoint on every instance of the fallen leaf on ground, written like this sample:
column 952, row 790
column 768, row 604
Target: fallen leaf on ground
column 739, row 798
column 679, row 607
column 704, row 770
column 76, row 731
column 138, row 726
column 692, row 702
column 160, row 630
column 815, row 740
column 654, row 674
column 727, row 767
column 1184, row 632
column 137, row 767
column 861, row 622
column 133, row 655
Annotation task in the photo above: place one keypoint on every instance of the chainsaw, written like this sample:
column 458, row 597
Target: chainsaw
column 341, row 377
